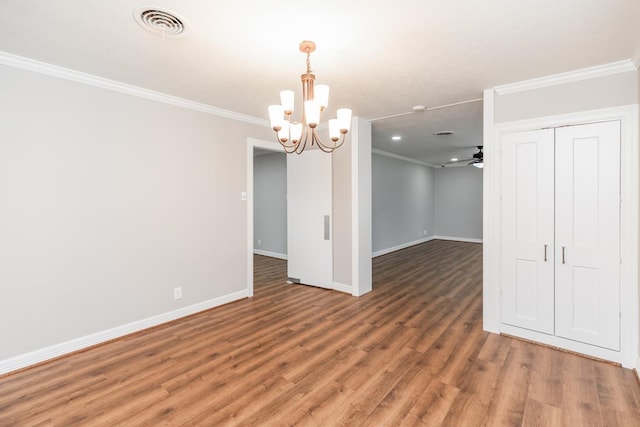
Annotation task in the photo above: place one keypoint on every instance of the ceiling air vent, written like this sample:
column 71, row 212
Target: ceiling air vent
column 159, row 20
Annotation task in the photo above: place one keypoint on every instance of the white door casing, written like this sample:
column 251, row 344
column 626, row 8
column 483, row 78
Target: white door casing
column 309, row 221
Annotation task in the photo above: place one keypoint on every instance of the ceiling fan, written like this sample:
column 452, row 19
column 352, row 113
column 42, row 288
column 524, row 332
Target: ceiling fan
column 476, row 160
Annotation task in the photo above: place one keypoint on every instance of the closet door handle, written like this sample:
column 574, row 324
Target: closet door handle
column 563, row 254
column 545, row 252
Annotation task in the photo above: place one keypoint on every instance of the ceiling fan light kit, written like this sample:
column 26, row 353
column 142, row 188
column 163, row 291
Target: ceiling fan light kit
column 296, row 136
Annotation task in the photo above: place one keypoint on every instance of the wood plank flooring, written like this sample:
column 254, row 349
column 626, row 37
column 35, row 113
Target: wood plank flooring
column 410, row 353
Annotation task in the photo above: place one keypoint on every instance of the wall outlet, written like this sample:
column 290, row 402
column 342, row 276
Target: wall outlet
column 259, row 242
column 177, row 292
column 425, row 232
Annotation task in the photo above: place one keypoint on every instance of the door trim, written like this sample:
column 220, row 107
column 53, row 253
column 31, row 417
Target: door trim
column 251, row 144
column 628, row 116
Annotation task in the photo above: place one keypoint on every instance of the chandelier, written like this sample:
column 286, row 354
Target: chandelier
column 295, row 136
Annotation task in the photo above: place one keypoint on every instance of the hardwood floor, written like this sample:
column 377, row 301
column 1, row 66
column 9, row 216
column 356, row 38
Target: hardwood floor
column 410, row 353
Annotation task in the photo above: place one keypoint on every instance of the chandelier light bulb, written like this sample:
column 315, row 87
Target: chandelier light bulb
column 312, row 113
column 344, row 119
column 286, row 98
column 334, row 130
column 275, row 117
column 295, row 130
column 321, row 96
column 283, row 134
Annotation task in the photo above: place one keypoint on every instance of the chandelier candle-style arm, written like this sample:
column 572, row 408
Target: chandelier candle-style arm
column 296, row 136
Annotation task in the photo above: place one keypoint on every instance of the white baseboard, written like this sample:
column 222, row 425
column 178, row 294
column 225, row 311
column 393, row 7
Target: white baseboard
column 457, row 239
column 402, row 246
column 270, row 254
column 426, row 239
column 343, row 288
column 44, row 354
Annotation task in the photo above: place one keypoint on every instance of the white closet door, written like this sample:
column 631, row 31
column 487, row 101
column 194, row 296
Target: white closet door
column 309, row 204
column 588, row 233
column 527, row 230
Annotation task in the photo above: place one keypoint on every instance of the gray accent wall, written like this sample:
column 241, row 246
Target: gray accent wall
column 458, row 202
column 270, row 204
column 408, row 198
column 403, row 202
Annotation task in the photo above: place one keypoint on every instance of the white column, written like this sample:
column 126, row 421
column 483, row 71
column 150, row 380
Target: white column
column 361, row 206
column 352, row 211
column 491, row 220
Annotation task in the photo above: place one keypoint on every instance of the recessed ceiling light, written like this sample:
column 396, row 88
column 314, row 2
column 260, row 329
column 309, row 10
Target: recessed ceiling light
column 444, row 133
column 396, row 137
column 454, row 159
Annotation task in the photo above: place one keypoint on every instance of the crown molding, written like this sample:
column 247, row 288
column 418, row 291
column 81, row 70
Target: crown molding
column 399, row 157
column 39, row 67
column 568, row 77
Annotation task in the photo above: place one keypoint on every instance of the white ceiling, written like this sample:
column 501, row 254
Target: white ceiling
column 380, row 58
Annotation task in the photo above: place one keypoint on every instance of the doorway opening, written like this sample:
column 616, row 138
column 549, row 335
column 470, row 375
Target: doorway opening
column 263, row 238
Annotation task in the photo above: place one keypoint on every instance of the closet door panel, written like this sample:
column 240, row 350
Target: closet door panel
column 527, row 230
column 588, row 233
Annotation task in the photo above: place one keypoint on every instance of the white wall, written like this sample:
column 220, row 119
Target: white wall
column 270, row 204
column 351, row 180
column 342, row 230
column 108, row 202
column 590, row 94
column 403, row 202
column 458, row 203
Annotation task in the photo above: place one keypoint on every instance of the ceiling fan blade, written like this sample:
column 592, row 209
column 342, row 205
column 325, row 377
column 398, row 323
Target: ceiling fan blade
column 455, row 162
column 458, row 161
